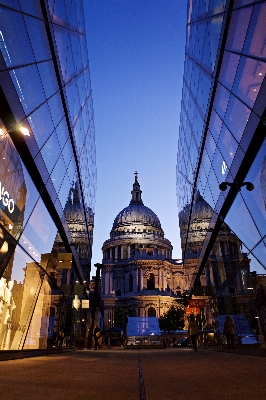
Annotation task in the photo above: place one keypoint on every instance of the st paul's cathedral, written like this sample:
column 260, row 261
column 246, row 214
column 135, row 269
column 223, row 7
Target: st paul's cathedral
column 138, row 269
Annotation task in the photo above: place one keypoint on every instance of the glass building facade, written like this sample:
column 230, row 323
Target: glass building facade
column 47, row 166
column 222, row 139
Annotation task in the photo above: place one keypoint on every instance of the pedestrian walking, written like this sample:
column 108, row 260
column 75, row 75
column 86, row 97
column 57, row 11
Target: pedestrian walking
column 193, row 331
column 229, row 331
column 97, row 335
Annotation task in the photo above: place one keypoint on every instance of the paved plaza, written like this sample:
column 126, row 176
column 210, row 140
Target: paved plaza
column 170, row 374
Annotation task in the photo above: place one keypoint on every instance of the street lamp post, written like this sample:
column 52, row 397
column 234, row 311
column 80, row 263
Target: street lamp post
column 94, row 302
column 110, row 329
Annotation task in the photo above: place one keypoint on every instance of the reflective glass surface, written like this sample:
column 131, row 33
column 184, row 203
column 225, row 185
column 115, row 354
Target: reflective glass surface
column 58, row 111
column 220, row 146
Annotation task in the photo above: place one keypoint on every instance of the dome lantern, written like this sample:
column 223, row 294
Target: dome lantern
column 136, row 192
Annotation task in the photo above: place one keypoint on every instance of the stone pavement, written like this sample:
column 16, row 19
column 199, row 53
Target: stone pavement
column 169, row 374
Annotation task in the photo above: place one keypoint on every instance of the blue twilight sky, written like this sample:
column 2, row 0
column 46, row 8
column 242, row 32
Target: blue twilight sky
column 136, row 52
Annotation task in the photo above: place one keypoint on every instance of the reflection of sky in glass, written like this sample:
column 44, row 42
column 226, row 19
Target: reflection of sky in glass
column 255, row 200
column 20, row 261
column 255, row 265
column 260, row 252
column 40, row 231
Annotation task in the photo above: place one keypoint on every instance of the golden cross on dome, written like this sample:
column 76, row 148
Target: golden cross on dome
column 136, row 173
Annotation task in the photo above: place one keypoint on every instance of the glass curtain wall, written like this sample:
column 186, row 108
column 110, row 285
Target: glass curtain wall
column 222, row 139
column 47, row 168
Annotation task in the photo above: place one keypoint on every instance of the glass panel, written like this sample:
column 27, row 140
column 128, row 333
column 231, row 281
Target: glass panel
column 12, row 188
column 30, row 99
column 215, row 126
column 208, row 196
column 217, row 6
column 257, row 265
column 32, row 196
column 256, row 199
column 202, row 176
column 206, row 162
column 214, row 181
column 221, row 100
column 236, row 125
column 72, row 172
column 239, row 3
column 59, row 11
column 67, row 152
column 228, row 69
column 227, row 146
column 40, row 231
column 50, row 152
column 21, row 285
column 248, row 80
column 255, row 43
column 215, row 32
column 198, row 126
column 56, row 108
column 240, row 221
column 41, row 124
column 38, row 39
column 38, row 332
column 62, row 133
column 15, row 45
column 31, row 7
column 11, row 3
column 204, row 91
column 58, row 173
column 64, row 191
column 210, row 145
column 50, row 85
column 238, row 28
column 199, row 40
column 260, row 252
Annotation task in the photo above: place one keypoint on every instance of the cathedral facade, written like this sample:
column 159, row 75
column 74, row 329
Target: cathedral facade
column 138, row 270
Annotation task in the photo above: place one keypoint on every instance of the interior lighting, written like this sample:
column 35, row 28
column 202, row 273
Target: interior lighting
column 257, row 317
column 24, row 131
column 4, row 247
column 2, row 131
column 10, row 226
column 260, row 73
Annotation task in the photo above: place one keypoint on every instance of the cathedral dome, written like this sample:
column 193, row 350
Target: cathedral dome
column 136, row 217
column 136, row 213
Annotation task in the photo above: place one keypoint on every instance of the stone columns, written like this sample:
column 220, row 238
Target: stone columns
column 128, row 251
column 122, row 252
column 116, row 252
column 137, row 278
column 140, row 280
column 163, row 280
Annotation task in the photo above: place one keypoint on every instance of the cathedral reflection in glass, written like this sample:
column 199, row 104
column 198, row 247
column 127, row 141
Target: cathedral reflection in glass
column 222, row 139
column 47, row 169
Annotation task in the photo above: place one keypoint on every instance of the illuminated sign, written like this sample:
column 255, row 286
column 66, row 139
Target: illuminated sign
column 7, row 202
